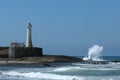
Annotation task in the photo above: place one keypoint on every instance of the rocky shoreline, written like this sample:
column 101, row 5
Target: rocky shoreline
column 44, row 60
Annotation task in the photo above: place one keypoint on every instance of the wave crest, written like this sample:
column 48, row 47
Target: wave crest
column 40, row 75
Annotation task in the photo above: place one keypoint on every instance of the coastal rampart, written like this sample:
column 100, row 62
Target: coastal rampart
column 17, row 52
column 4, row 52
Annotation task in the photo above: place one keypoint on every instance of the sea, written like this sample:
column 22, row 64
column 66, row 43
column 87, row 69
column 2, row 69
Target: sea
column 63, row 71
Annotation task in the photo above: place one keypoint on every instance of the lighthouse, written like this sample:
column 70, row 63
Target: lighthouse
column 29, row 36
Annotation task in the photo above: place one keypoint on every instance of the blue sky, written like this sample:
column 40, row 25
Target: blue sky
column 67, row 27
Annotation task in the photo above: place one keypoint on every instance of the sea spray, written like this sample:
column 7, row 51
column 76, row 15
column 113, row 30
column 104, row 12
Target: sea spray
column 94, row 53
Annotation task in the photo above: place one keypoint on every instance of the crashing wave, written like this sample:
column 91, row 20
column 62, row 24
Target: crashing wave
column 94, row 53
column 40, row 75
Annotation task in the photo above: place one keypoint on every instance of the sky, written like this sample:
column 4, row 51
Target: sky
column 63, row 27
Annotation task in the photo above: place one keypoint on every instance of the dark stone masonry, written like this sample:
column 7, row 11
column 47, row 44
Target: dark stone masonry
column 4, row 52
column 17, row 52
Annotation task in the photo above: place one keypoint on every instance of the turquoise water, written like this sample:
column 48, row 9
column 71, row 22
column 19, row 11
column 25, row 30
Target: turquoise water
column 69, row 71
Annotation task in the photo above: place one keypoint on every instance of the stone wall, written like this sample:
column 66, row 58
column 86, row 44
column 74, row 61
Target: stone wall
column 3, row 48
column 4, row 52
column 16, row 52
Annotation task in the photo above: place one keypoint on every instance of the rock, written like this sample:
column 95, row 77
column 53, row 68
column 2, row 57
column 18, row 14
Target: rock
column 51, row 58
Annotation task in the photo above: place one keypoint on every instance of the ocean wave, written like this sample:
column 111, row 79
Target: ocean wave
column 50, row 76
column 62, row 69
column 79, row 68
column 40, row 75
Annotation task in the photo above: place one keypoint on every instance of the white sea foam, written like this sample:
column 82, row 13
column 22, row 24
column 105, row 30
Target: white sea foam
column 61, row 69
column 87, row 67
column 40, row 75
column 51, row 76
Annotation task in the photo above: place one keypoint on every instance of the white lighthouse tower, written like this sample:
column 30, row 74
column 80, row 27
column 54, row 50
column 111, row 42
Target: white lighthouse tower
column 29, row 36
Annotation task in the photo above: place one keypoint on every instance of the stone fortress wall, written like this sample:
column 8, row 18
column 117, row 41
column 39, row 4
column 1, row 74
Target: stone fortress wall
column 17, row 52
column 4, row 52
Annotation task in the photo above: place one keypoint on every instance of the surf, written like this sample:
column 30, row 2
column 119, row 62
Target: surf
column 40, row 75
